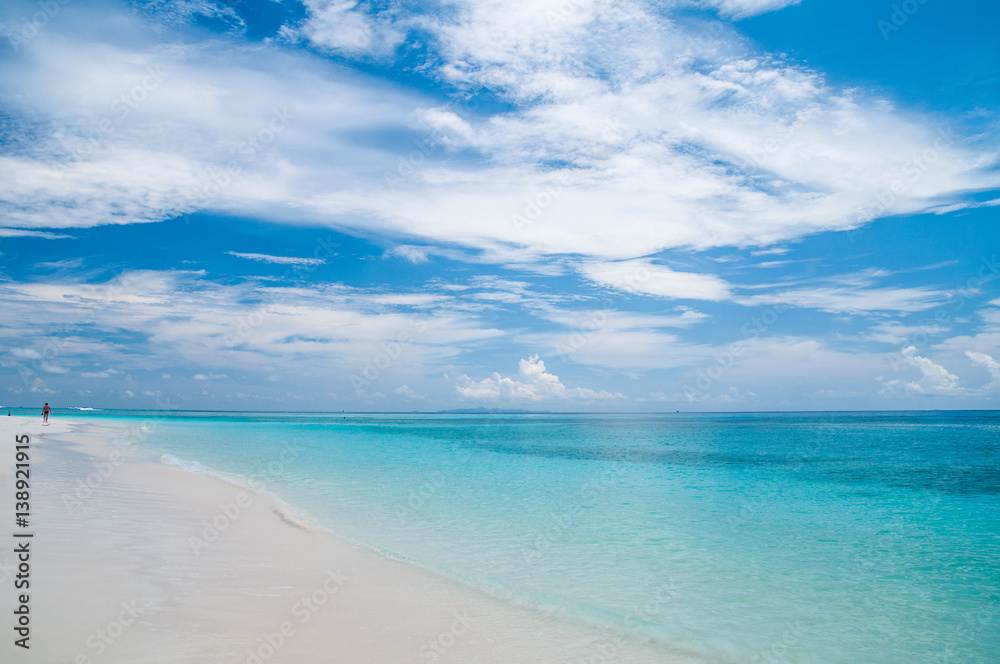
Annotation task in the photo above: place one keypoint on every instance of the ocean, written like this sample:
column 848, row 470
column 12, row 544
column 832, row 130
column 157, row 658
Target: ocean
column 722, row 538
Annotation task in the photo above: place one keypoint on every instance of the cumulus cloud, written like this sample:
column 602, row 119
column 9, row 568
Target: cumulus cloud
column 38, row 386
column 409, row 252
column 408, row 392
column 935, row 379
column 988, row 363
column 939, row 381
column 344, row 27
column 533, row 383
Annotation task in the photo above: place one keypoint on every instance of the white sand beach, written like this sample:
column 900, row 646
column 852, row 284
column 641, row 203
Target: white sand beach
column 130, row 573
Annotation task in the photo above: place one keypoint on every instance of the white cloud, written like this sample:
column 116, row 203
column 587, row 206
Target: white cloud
column 182, row 319
column 103, row 373
column 991, row 317
column 181, row 12
column 772, row 251
column 852, row 299
column 616, row 321
column 896, row 333
column 648, row 278
column 409, row 252
column 209, row 376
column 620, row 339
column 335, row 25
column 658, row 144
column 988, row 363
column 776, row 366
column 649, row 130
column 38, row 386
column 447, row 126
column 738, row 9
column 407, row 299
column 408, row 392
column 66, row 264
column 278, row 260
column 850, row 294
column 534, row 383
column 169, row 152
column 935, row 380
column 18, row 232
column 946, row 209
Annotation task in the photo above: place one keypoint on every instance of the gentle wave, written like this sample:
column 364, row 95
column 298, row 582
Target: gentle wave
column 282, row 508
column 611, row 624
column 702, row 538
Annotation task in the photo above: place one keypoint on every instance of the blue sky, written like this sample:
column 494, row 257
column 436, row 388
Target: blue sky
column 575, row 205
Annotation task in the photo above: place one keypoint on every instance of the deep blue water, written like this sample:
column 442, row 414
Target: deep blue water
column 798, row 537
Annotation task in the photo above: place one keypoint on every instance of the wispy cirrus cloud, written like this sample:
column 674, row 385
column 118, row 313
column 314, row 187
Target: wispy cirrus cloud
column 854, row 293
column 277, row 260
column 20, row 232
column 893, row 332
column 660, row 134
column 853, row 299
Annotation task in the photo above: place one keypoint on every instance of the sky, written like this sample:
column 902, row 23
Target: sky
column 567, row 205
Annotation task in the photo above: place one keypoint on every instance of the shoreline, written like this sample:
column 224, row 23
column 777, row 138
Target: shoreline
column 164, row 564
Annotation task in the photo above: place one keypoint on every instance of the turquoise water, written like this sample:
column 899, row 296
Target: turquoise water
column 871, row 537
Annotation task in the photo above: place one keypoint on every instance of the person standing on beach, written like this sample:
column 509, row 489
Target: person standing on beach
column 45, row 413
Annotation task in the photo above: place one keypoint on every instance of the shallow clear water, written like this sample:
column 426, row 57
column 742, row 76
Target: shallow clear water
column 870, row 537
